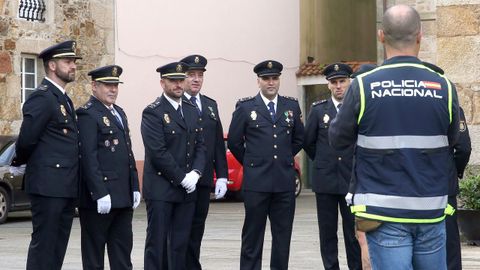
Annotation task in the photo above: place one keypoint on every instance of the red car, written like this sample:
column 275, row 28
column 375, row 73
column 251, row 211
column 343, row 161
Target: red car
column 235, row 177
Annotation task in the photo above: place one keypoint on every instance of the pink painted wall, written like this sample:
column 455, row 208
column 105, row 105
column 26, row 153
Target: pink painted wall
column 233, row 35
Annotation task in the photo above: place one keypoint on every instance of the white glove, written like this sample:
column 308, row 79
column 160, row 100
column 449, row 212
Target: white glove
column 136, row 199
column 349, row 198
column 16, row 171
column 190, row 181
column 220, row 188
column 104, row 204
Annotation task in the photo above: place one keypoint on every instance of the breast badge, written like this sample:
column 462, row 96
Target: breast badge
column 288, row 116
column 106, row 121
column 326, row 118
column 63, row 110
column 212, row 113
column 166, row 118
column 253, row 115
column 107, row 143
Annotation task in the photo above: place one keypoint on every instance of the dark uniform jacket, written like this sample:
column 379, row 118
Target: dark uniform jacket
column 266, row 148
column 332, row 169
column 107, row 161
column 48, row 144
column 461, row 154
column 213, row 134
column 173, row 147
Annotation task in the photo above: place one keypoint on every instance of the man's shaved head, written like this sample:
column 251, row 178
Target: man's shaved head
column 401, row 26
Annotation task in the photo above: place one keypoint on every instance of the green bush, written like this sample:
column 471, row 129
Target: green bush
column 469, row 197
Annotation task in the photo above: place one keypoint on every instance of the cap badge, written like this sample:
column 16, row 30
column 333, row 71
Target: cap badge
column 166, row 118
column 326, row 118
column 106, row 121
column 114, row 72
column 74, row 46
column 253, row 115
column 63, row 110
column 179, row 68
column 197, row 60
column 269, row 65
column 336, row 67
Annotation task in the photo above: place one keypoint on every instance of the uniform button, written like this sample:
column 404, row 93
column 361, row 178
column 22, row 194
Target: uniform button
column 288, row 131
column 188, row 165
column 66, row 121
column 251, row 164
column 105, row 178
column 196, row 130
column 79, row 144
column 275, row 146
column 79, row 156
column 159, row 173
column 256, row 126
column 274, row 135
column 188, row 154
column 173, row 131
column 58, row 165
column 129, row 155
column 274, row 126
column 130, row 166
column 201, row 129
column 339, row 158
column 188, row 143
column 200, row 119
column 275, row 156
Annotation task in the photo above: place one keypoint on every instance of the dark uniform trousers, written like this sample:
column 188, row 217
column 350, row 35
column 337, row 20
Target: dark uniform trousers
column 266, row 147
column 332, row 171
column 173, row 147
column 215, row 161
column 462, row 150
column 48, row 144
column 108, row 168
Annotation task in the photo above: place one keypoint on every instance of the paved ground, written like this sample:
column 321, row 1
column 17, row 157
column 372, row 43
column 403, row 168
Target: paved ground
column 221, row 246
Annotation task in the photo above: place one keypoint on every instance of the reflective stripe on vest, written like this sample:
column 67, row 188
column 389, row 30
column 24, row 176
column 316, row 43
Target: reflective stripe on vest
column 400, row 142
column 359, row 210
column 362, row 90
column 401, row 202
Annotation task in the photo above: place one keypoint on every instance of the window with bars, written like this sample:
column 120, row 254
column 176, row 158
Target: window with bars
column 29, row 76
column 32, row 10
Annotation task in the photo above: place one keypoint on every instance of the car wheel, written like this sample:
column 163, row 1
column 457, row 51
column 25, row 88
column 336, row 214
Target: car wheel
column 4, row 205
column 298, row 184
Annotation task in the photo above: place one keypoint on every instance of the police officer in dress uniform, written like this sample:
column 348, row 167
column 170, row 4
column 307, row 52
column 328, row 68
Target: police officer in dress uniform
column 174, row 162
column 215, row 158
column 265, row 134
column 332, row 172
column 48, row 144
column 109, row 180
column 461, row 154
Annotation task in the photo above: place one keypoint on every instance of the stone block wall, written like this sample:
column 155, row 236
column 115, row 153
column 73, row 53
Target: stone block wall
column 89, row 22
column 451, row 39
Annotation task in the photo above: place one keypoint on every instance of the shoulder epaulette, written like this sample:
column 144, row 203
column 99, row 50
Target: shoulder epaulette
column 154, row 104
column 319, row 102
column 209, row 98
column 245, row 99
column 43, row 87
column 87, row 105
column 291, row 98
column 433, row 67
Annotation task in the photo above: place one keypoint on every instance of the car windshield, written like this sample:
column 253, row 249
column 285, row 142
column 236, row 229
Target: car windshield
column 6, row 154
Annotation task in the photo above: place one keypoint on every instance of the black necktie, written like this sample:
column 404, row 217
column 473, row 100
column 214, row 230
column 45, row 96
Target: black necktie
column 179, row 111
column 194, row 101
column 69, row 102
column 271, row 109
column 338, row 106
column 119, row 120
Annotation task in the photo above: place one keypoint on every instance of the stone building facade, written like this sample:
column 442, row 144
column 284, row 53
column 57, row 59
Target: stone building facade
column 89, row 22
column 451, row 39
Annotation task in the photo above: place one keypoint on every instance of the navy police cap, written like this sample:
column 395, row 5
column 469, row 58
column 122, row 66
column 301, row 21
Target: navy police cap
column 64, row 49
column 337, row 70
column 268, row 68
column 106, row 74
column 195, row 62
column 363, row 68
column 175, row 70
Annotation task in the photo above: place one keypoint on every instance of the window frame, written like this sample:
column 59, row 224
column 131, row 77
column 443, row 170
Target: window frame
column 23, row 87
